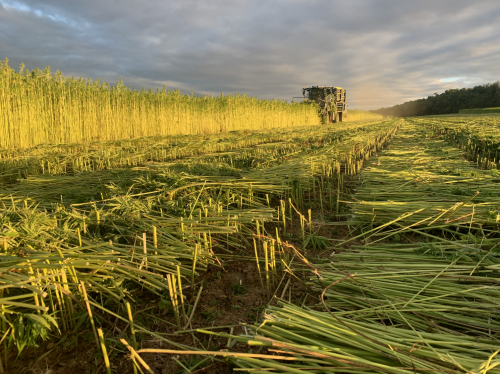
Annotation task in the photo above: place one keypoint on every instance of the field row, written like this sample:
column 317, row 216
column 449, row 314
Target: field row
column 479, row 137
column 238, row 149
column 99, row 236
column 371, row 248
column 422, row 180
column 420, row 295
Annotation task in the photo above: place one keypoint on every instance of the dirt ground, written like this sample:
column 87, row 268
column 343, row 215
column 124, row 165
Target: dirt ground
column 231, row 295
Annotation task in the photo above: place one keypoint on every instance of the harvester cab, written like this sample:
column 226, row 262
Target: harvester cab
column 331, row 100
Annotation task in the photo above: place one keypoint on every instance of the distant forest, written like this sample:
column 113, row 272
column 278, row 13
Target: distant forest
column 450, row 101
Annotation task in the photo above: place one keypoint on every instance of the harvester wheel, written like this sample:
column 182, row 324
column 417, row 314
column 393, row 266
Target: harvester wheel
column 340, row 116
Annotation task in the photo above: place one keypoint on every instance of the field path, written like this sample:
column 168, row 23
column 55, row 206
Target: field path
column 426, row 178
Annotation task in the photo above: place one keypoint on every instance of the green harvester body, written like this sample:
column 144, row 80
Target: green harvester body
column 331, row 101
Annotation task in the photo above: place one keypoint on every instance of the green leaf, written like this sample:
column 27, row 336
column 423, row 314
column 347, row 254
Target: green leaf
column 80, row 321
column 38, row 319
column 9, row 234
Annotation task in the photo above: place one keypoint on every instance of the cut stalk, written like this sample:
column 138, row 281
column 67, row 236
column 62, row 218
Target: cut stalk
column 104, row 351
column 89, row 311
column 180, row 292
column 194, row 263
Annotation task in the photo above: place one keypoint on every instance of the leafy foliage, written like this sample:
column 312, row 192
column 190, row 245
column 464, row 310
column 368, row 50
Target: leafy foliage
column 450, row 101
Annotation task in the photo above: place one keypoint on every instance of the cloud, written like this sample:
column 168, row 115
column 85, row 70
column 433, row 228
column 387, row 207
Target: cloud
column 383, row 52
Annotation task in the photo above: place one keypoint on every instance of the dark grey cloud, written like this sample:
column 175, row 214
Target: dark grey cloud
column 383, row 51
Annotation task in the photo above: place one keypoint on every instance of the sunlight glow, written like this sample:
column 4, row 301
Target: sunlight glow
column 450, row 79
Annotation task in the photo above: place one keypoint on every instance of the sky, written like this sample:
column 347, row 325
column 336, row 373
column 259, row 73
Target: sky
column 383, row 52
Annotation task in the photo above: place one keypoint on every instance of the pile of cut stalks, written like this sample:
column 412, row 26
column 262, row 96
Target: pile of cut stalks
column 409, row 282
column 420, row 293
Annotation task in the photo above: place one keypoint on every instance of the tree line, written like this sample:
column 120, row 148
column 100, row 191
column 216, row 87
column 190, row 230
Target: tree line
column 450, row 101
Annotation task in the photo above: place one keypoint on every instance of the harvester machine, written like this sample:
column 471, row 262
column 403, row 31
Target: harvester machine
column 331, row 101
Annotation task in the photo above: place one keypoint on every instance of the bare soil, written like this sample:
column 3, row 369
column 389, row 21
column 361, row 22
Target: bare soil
column 232, row 294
